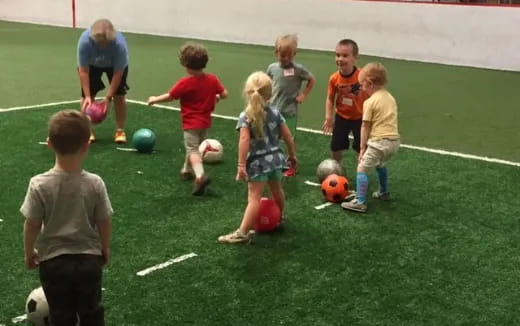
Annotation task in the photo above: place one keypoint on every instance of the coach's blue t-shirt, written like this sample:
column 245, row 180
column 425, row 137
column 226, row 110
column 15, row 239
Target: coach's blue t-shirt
column 114, row 54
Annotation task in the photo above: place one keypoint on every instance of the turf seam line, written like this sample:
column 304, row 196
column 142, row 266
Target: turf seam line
column 314, row 131
column 166, row 264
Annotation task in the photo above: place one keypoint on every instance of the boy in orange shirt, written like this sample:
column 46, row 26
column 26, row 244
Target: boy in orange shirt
column 344, row 96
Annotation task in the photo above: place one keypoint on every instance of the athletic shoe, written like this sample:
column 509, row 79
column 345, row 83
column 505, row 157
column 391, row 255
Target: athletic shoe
column 355, row 206
column 200, row 185
column 120, row 137
column 381, row 195
column 236, row 237
column 92, row 137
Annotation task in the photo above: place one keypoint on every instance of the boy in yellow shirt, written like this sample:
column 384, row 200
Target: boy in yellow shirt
column 379, row 135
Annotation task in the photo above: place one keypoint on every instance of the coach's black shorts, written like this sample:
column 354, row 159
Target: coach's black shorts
column 96, row 83
column 341, row 131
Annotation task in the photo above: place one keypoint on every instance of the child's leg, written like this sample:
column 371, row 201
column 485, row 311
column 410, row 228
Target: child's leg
column 57, row 279
column 356, row 133
column 195, row 160
column 254, row 194
column 277, row 193
column 291, row 122
column 382, row 174
column 88, row 290
column 339, row 141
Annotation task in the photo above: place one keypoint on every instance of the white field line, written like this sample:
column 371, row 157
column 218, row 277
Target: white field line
column 314, row 131
column 19, row 319
column 38, row 106
column 322, row 206
column 166, row 264
column 310, row 183
column 1, row 220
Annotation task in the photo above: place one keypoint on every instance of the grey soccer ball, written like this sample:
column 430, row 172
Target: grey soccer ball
column 328, row 167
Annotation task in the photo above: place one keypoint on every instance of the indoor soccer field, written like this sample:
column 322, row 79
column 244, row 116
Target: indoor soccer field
column 444, row 251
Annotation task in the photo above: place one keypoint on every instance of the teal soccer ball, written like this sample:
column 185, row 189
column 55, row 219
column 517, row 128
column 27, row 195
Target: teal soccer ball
column 144, row 140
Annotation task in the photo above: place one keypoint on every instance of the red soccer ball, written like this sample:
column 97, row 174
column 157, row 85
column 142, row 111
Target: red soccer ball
column 269, row 215
column 335, row 188
column 96, row 112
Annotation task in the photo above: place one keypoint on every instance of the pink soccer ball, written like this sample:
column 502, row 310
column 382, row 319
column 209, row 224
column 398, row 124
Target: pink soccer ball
column 96, row 112
column 269, row 216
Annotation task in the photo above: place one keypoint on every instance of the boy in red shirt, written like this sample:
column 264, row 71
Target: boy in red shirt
column 198, row 93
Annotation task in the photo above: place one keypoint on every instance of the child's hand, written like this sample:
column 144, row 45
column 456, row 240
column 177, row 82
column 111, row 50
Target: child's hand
column 300, row 98
column 106, row 256
column 152, row 100
column 32, row 261
column 241, row 173
column 361, row 153
column 217, row 98
column 327, row 126
column 293, row 162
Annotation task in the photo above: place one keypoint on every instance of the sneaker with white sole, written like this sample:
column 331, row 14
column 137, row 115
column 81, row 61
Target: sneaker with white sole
column 355, row 206
column 381, row 195
column 236, row 237
column 350, row 196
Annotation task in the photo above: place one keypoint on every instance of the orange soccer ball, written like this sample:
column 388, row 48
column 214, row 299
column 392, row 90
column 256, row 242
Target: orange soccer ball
column 335, row 188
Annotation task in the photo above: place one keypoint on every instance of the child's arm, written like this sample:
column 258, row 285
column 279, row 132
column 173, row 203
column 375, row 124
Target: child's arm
column 104, row 227
column 243, row 149
column 303, row 95
column 291, row 147
column 329, row 110
column 223, row 94
column 31, row 229
column 159, row 99
column 366, row 126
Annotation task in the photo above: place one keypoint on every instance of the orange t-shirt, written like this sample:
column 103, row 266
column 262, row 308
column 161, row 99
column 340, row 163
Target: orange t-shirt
column 347, row 95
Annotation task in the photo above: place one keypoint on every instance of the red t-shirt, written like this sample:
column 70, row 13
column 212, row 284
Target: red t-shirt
column 197, row 95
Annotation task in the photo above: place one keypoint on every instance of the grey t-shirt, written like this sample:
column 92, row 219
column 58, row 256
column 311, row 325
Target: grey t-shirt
column 287, row 83
column 265, row 154
column 68, row 204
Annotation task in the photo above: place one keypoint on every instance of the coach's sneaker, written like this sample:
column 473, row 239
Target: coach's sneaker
column 355, row 206
column 236, row 237
column 92, row 137
column 120, row 136
column 381, row 195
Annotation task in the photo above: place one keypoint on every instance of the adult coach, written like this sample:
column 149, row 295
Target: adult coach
column 102, row 49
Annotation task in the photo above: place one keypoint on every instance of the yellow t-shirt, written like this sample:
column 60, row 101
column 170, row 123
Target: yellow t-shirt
column 381, row 110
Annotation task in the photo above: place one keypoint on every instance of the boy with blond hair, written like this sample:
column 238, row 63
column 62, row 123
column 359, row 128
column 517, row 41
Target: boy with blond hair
column 344, row 97
column 198, row 93
column 68, row 212
column 288, row 77
column 379, row 135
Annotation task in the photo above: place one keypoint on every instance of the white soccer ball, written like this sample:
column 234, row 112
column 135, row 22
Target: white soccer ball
column 37, row 309
column 211, row 151
column 328, row 167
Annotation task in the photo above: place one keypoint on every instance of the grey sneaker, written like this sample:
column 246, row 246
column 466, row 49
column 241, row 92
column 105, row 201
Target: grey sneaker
column 355, row 206
column 350, row 196
column 236, row 237
column 381, row 195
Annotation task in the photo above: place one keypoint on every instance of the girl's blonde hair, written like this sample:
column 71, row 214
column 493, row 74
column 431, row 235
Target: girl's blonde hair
column 288, row 41
column 102, row 31
column 257, row 91
column 375, row 73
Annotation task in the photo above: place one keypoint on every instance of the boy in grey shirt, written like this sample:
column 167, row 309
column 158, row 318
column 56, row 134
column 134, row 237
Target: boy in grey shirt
column 73, row 207
column 288, row 77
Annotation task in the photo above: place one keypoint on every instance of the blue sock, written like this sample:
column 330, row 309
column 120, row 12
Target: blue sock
column 362, row 187
column 383, row 178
